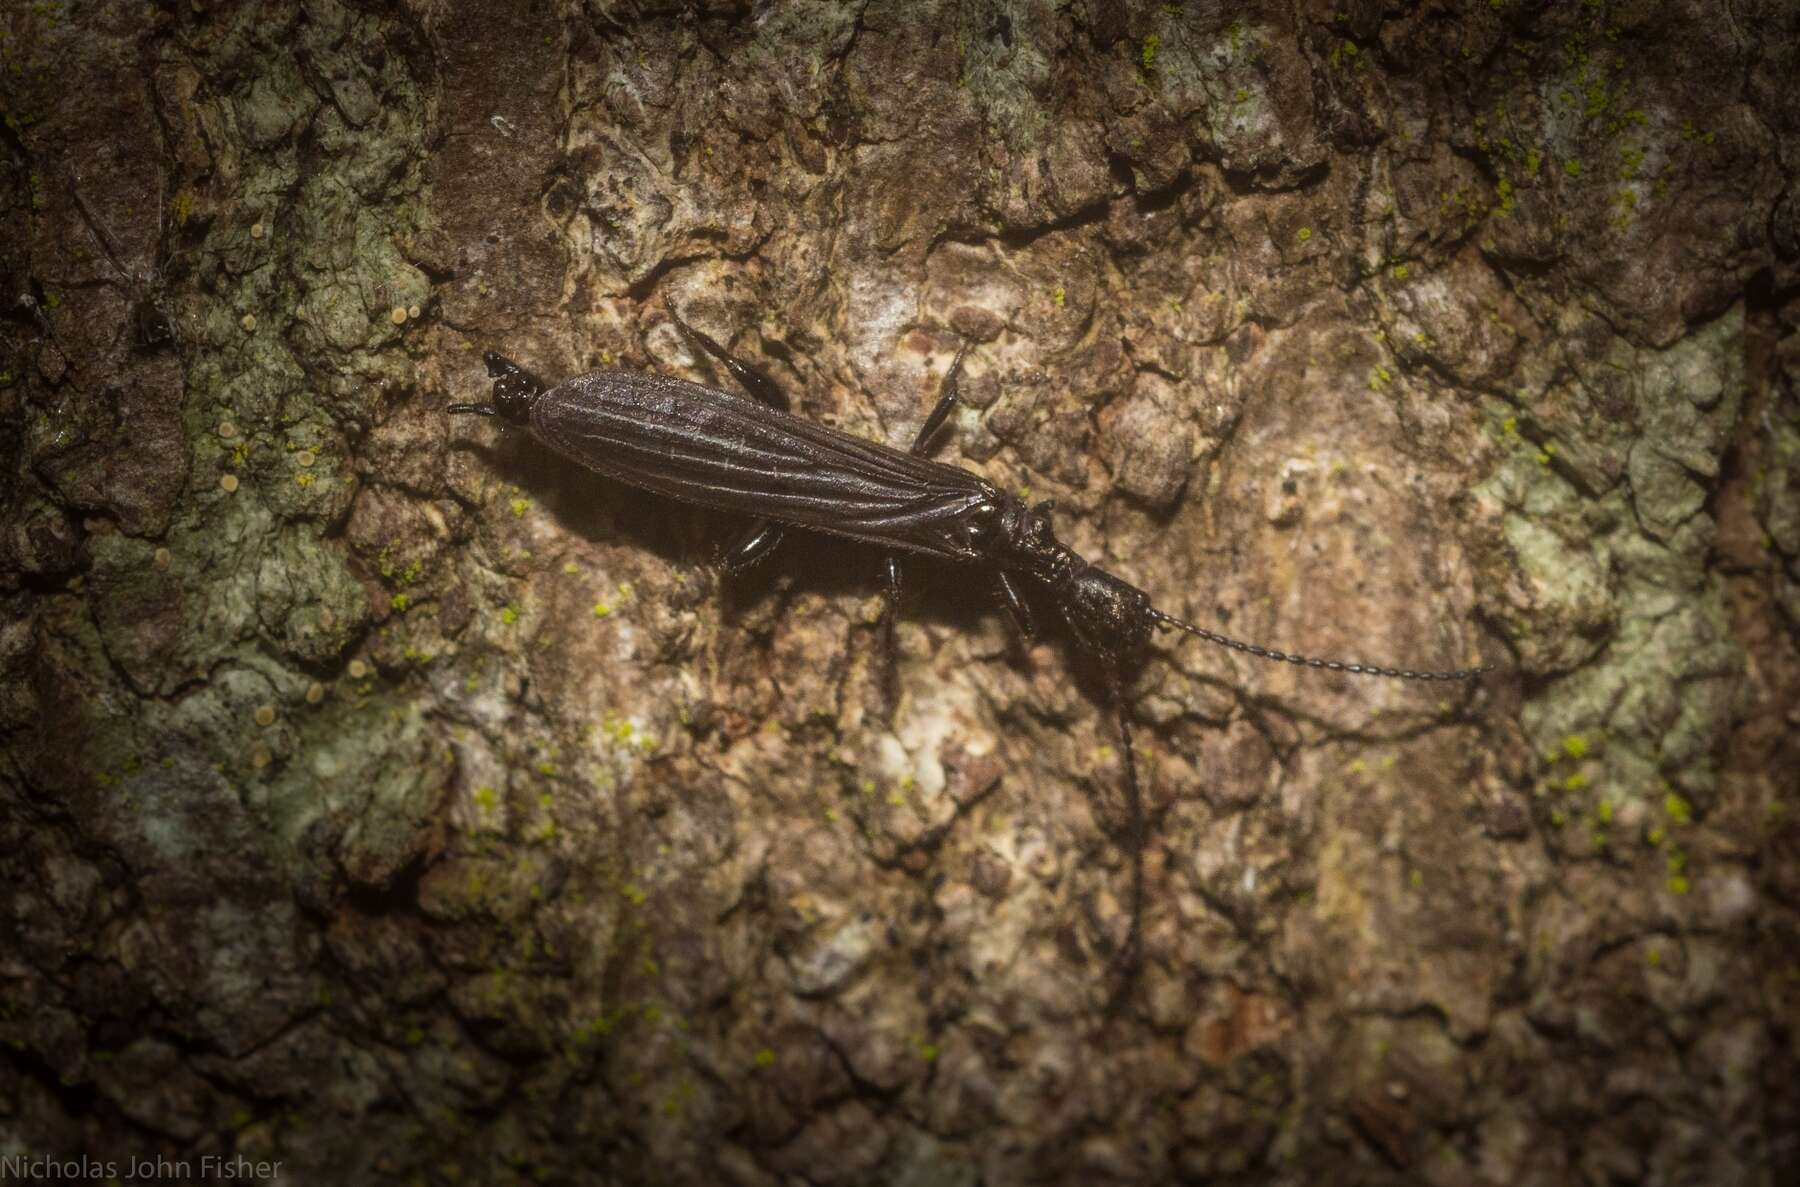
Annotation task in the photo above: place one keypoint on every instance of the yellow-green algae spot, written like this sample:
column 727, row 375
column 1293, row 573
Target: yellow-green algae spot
column 1675, row 866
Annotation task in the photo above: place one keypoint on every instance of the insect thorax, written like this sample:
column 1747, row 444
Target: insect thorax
column 515, row 388
column 1023, row 540
column 1112, row 618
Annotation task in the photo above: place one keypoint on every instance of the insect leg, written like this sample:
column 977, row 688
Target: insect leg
column 1016, row 606
column 757, row 541
column 921, row 446
column 752, row 378
column 101, row 234
column 1128, row 957
column 890, row 669
column 941, row 411
column 761, row 537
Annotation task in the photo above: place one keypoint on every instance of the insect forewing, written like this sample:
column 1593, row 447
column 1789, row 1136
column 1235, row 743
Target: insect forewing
column 720, row 450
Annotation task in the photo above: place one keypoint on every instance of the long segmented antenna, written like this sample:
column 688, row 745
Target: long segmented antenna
column 477, row 409
column 1307, row 661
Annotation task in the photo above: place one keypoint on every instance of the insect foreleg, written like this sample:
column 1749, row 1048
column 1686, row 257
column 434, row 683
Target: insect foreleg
column 1016, row 605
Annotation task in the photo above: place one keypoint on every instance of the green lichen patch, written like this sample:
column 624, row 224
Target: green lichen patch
column 359, row 791
column 1628, row 619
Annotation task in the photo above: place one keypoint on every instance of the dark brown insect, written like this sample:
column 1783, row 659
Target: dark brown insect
column 751, row 457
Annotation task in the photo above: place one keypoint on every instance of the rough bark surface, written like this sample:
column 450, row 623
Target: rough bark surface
column 384, row 799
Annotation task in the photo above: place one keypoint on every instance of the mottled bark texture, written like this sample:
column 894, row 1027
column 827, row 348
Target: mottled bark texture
column 382, row 797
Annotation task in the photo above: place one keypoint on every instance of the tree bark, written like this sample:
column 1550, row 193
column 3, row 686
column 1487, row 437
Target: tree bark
column 385, row 800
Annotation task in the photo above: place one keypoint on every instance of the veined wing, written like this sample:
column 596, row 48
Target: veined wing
column 721, row 450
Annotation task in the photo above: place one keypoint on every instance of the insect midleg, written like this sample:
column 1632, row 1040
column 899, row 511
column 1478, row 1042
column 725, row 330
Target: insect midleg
column 759, row 539
column 921, row 446
column 754, row 544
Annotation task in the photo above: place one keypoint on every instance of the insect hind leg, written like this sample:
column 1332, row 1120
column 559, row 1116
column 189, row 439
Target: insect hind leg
column 751, row 378
column 940, row 412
